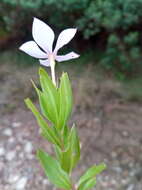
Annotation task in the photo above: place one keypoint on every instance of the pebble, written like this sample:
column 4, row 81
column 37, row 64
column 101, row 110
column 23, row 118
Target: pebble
column 125, row 181
column 13, row 178
column 21, row 183
column 130, row 187
column 117, row 169
column 113, row 154
column 2, row 151
column 30, row 156
column 10, row 155
column 96, row 120
column 21, row 155
column 11, row 140
column 45, row 182
column 125, row 133
column 2, row 166
column 113, row 182
column 7, row 132
column 16, row 124
column 28, row 147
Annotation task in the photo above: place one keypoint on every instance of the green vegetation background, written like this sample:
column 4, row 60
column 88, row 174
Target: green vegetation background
column 110, row 30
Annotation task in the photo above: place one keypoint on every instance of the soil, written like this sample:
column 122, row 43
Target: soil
column 109, row 127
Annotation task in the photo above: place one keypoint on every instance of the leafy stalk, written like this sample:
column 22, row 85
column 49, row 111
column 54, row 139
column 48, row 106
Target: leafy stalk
column 56, row 106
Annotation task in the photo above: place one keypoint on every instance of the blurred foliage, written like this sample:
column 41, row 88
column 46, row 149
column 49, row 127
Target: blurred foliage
column 115, row 25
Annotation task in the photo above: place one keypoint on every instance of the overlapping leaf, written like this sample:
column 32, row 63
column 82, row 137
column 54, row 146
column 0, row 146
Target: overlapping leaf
column 47, row 131
column 49, row 99
column 88, row 184
column 71, row 154
column 54, row 171
column 89, row 178
column 65, row 99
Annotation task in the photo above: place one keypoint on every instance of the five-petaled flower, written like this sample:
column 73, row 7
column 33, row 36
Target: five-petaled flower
column 42, row 46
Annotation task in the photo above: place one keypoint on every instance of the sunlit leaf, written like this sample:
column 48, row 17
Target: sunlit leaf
column 91, row 173
column 54, row 171
column 65, row 95
column 47, row 131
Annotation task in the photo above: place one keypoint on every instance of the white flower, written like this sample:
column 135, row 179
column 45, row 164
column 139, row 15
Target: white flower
column 43, row 37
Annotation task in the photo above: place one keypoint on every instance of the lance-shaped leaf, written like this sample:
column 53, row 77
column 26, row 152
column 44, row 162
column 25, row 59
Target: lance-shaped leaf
column 65, row 159
column 75, row 147
column 66, row 134
column 71, row 154
column 90, row 175
column 47, row 131
column 48, row 103
column 48, row 86
column 54, row 171
column 88, row 184
column 65, row 94
column 58, row 152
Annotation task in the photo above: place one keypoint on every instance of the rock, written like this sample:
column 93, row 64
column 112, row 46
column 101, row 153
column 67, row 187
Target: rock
column 21, row 183
column 117, row 169
column 125, row 133
column 16, row 124
column 21, row 155
column 11, row 140
column 28, row 147
column 130, row 187
column 10, row 155
column 7, row 132
column 2, row 151
column 125, row 181
column 13, row 178
column 2, row 166
column 45, row 182
column 30, row 156
column 113, row 154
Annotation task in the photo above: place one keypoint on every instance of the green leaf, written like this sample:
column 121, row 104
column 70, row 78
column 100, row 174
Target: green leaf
column 66, row 133
column 48, row 86
column 66, row 157
column 47, row 131
column 71, row 154
column 75, row 147
column 88, row 184
column 65, row 95
column 58, row 152
column 91, row 173
column 54, row 171
column 48, row 101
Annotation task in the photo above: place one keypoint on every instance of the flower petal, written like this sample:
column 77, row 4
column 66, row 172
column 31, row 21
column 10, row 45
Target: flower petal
column 66, row 57
column 33, row 50
column 44, row 62
column 43, row 35
column 64, row 37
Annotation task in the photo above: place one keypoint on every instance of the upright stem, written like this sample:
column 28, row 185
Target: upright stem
column 52, row 65
column 53, row 74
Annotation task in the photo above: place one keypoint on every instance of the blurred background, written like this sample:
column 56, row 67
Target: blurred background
column 107, row 87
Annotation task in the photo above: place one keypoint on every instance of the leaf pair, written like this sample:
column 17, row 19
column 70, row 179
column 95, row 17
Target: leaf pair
column 54, row 171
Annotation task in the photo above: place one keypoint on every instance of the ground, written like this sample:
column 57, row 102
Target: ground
column 108, row 121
